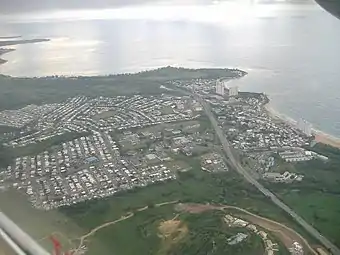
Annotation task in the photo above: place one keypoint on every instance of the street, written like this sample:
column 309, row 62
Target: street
column 227, row 149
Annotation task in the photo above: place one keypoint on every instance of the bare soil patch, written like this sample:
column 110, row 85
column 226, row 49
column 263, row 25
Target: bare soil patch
column 287, row 235
column 196, row 208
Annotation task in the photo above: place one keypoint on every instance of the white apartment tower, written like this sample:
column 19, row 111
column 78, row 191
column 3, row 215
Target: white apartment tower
column 233, row 91
column 305, row 127
column 220, row 87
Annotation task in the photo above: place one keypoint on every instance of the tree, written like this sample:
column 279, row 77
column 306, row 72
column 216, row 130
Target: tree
column 5, row 156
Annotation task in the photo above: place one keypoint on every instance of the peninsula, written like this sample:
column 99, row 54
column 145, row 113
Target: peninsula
column 9, row 42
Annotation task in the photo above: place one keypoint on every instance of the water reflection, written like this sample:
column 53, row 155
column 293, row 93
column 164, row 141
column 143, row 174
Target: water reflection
column 291, row 49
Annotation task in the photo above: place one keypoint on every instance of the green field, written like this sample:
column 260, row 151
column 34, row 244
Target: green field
column 317, row 197
column 192, row 186
column 207, row 234
column 37, row 223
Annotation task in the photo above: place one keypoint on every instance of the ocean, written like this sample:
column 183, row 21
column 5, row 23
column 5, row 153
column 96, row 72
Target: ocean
column 290, row 49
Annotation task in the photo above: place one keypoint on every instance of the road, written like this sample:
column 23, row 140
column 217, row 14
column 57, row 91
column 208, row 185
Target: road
column 122, row 218
column 237, row 166
column 287, row 235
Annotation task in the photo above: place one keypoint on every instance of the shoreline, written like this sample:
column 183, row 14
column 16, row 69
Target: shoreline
column 4, row 51
column 5, row 43
column 320, row 136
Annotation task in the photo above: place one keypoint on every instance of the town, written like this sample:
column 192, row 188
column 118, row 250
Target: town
column 87, row 148
column 264, row 141
column 104, row 146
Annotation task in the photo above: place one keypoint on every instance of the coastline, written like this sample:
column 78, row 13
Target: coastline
column 4, row 51
column 320, row 136
column 2, row 61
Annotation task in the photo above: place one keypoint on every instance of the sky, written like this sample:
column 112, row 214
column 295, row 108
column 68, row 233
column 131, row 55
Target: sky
column 19, row 6
column 10, row 6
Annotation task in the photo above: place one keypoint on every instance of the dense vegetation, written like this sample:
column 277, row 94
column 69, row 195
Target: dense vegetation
column 5, row 156
column 41, row 146
column 208, row 235
column 19, row 92
column 192, row 186
column 317, row 197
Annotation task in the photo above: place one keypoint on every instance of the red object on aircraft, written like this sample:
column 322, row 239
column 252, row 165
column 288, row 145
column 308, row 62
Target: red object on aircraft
column 56, row 245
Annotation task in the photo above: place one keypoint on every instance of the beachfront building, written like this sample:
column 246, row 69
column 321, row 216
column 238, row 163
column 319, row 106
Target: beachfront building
column 233, row 91
column 305, row 127
column 220, row 87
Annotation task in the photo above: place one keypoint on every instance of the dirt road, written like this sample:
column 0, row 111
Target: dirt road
column 287, row 235
column 122, row 218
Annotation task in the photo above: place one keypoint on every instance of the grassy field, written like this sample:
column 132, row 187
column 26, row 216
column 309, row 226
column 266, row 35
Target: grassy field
column 163, row 231
column 207, row 234
column 319, row 209
column 192, row 186
column 317, row 197
column 38, row 224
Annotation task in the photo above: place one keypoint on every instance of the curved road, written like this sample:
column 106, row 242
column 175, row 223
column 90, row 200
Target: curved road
column 227, row 149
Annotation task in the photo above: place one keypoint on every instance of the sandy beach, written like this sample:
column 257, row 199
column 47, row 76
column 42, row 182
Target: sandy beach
column 320, row 136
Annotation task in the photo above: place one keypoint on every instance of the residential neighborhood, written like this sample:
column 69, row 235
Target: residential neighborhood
column 93, row 148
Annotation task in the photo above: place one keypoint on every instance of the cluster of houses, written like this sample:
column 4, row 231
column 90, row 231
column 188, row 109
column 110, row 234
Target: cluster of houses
column 81, row 169
column 270, row 247
column 81, row 114
column 213, row 162
column 100, row 152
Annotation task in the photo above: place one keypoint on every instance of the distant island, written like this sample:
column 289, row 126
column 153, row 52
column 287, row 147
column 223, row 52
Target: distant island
column 9, row 37
column 15, row 42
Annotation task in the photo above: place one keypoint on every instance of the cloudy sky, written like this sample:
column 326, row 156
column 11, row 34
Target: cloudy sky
column 10, row 6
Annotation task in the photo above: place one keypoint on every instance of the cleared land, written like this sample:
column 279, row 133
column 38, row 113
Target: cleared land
column 193, row 185
column 182, row 232
column 287, row 235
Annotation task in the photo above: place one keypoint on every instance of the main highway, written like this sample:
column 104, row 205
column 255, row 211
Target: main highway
column 237, row 166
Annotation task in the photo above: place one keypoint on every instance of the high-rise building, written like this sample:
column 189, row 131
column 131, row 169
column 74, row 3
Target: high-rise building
column 305, row 127
column 220, row 87
column 233, row 91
